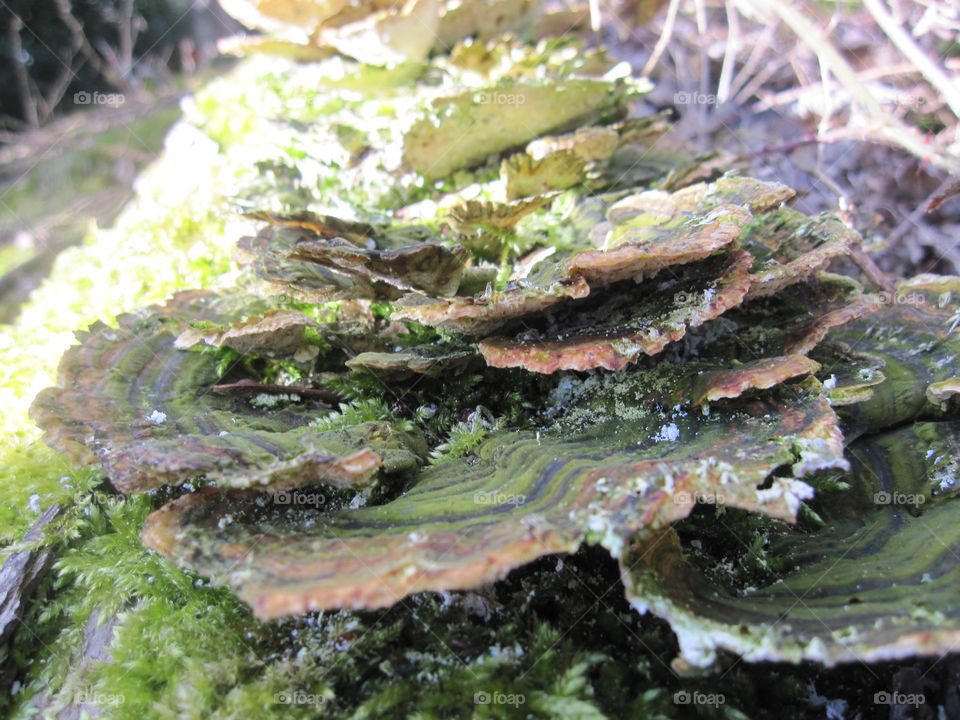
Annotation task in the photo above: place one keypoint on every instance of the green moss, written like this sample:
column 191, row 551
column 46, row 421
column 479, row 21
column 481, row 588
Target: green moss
column 183, row 649
column 354, row 413
column 34, row 478
column 464, row 437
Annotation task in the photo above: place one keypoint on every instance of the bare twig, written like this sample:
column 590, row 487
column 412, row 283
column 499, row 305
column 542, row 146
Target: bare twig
column 81, row 43
column 57, row 89
column 941, row 195
column 77, row 35
column 664, row 39
column 911, row 220
column 814, row 38
column 756, row 56
column 824, row 124
column 873, row 273
column 759, row 80
column 883, row 126
column 730, row 53
column 27, row 99
column 930, row 70
column 595, row 17
column 127, row 32
column 785, row 97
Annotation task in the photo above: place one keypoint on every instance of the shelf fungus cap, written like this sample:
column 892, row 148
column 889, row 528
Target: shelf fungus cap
column 597, row 476
column 147, row 411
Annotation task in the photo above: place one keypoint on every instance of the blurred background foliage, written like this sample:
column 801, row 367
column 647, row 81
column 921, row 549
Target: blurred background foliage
column 52, row 50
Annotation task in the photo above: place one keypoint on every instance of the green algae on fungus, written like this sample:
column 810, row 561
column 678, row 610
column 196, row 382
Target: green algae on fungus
column 131, row 400
column 592, row 461
column 480, row 313
column 910, row 339
column 927, row 475
column 598, row 142
column 565, row 161
column 944, row 392
column 484, row 226
column 426, row 267
column 276, row 333
column 519, row 496
column 642, row 245
column 268, row 254
column 790, row 246
column 323, row 257
column 651, row 230
column 881, row 585
column 419, row 360
column 752, row 195
column 324, row 226
column 616, row 253
column 524, row 176
column 848, row 377
column 793, row 321
column 463, row 130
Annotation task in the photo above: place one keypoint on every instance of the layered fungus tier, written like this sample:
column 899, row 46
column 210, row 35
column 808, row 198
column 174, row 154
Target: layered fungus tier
column 518, row 334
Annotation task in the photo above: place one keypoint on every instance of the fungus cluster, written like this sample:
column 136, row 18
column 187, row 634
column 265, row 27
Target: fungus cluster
column 612, row 345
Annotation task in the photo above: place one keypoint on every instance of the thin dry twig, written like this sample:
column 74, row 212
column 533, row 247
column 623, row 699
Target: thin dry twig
column 595, row 17
column 882, row 126
column 756, row 56
column 910, row 221
column 664, row 39
column 757, row 81
column 81, row 43
column 768, row 101
column 27, row 99
column 930, row 70
column 730, row 53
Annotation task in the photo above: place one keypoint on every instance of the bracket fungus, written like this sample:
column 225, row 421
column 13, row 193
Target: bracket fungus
column 501, row 118
column 661, row 345
column 150, row 414
column 520, row 496
column 880, row 585
column 621, row 327
column 330, row 258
